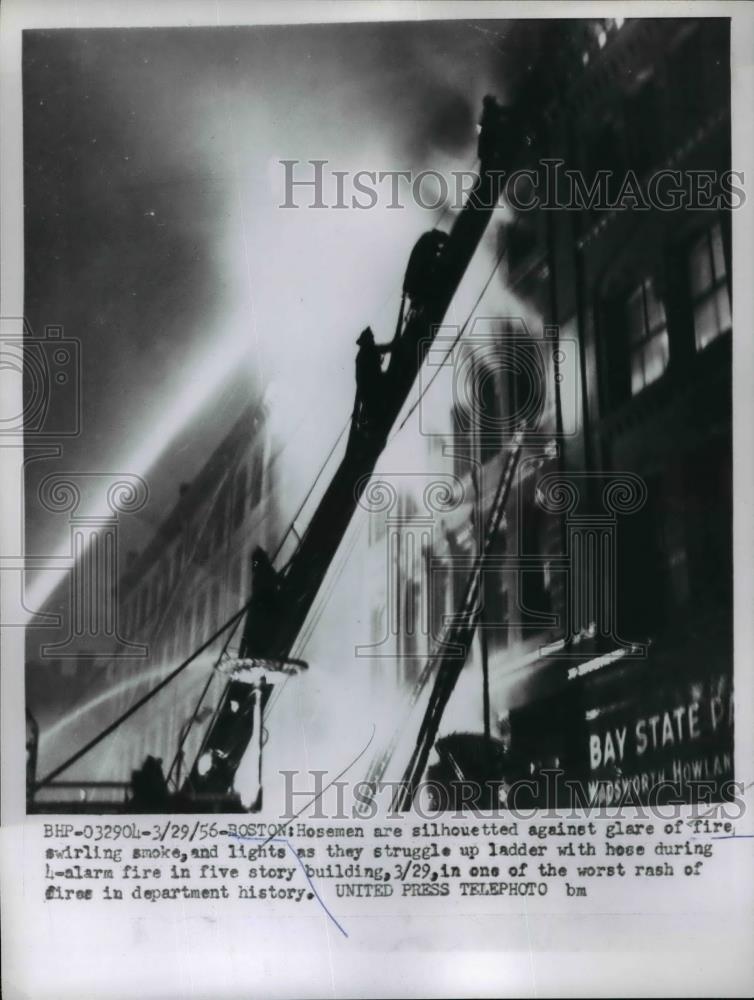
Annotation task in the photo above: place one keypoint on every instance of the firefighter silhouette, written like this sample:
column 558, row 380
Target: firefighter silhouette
column 369, row 382
column 422, row 271
column 261, row 620
column 492, row 126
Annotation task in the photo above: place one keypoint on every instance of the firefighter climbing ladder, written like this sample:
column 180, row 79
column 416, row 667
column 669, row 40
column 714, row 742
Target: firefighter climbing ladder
column 270, row 637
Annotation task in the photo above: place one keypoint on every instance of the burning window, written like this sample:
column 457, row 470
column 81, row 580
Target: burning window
column 647, row 328
column 708, row 279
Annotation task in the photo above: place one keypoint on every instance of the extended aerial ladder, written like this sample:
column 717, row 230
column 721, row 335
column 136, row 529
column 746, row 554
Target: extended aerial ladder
column 449, row 657
column 281, row 601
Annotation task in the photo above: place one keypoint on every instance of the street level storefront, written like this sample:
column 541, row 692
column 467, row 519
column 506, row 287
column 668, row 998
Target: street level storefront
column 630, row 728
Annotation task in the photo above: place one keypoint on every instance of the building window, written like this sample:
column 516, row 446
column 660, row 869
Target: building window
column 648, row 335
column 709, row 287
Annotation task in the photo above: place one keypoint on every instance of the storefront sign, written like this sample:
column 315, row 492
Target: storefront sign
column 680, row 734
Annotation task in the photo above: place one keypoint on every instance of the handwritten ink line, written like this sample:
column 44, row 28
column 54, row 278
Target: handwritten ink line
column 283, row 840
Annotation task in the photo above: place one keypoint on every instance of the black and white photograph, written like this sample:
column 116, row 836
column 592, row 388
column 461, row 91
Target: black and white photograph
column 398, row 420
column 374, row 382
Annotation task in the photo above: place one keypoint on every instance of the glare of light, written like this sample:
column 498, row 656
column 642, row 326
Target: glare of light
column 204, row 764
column 202, row 382
column 601, row 39
column 619, row 22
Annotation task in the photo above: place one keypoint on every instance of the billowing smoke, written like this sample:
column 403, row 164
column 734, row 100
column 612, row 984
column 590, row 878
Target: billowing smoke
column 155, row 236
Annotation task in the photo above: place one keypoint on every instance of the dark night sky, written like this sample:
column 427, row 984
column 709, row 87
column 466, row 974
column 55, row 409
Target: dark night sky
column 154, row 237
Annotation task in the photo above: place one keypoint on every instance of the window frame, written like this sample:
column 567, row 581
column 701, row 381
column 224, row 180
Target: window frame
column 637, row 347
column 718, row 282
